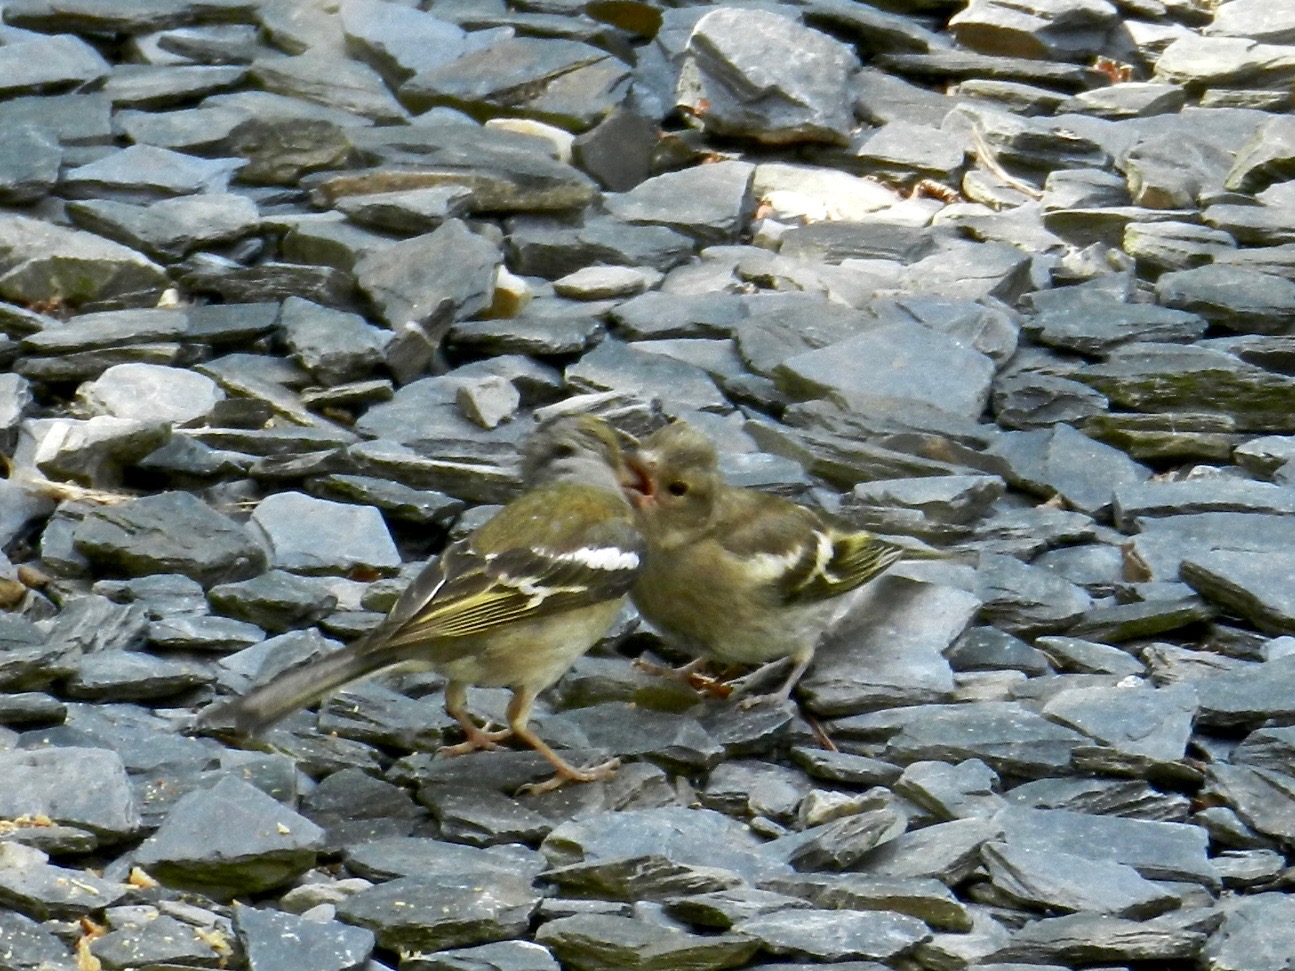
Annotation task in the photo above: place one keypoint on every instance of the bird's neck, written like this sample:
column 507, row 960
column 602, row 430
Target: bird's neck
column 586, row 470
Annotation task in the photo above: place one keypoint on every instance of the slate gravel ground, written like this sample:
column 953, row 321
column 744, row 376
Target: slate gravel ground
column 282, row 284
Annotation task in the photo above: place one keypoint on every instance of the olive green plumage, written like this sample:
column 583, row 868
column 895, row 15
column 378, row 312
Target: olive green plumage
column 734, row 574
column 512, row 605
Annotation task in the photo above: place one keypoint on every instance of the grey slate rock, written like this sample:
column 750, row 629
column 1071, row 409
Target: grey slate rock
column 835, row 935
column 482, row 817
column 564, row 82
column 273, row 939
column 274, row 601
column 1072, row 32
column 500, row 956
column 1065, row 462
column 147, row 938
column 170, row 229
column 989, row 649
column 615, row 366
column 596, row 942
column 551, row 247
column 890, row 367
column 151, row 392
column 1093, row 938
column 398, row 501
column 1005, row 735
column 1242, row 300
column 1263, row 799
column 799, row 73
column 82, row 787
column 1093, row 324
column 892, row 653
column 398, row 42
column 334, row 346
column 133, row 676
column 651, row 877
column 29, row 166
column 433, row 912
column 695, row 837
column 315, row 536
column 31, row 886
column 29, row 946
column 1156, row 723
column 33, row 251
column 142, row 173
column 1156, row 850
column 1057, row 881
column 445, row 275
column 1255, row 585
column 1255, row 935
column 1248, row 695
column 1029, row 399
column 709, row 203
column 959, row 791
column 35, row 64
column 410, row 211
column 228, row 840
column 1022, row 599
column 171, row 532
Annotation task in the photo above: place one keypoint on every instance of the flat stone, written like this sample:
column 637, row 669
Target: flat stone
column 1067, row 463
column 564, row 82
column 596, row 942
column 709, row 203
column 889, row 651
column 34, row 250
column 1059, row 881
column 1255, row 933
column 82, row 787
column 1256, row 585
column 1005, row 735
column 1243, row 300
column 1156, row 850
column 147, row 391
column 433, row 279
column 800, row 75
column 275, row 939
column 36, row 64
column 835, row 935
column 309, row 535
column 902, row 367
column 1094, row 938
column 429, row 913
column 231, row 839
column 172, row 532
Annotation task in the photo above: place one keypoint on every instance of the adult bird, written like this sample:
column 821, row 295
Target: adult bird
column 512, row 605
column 737, row 575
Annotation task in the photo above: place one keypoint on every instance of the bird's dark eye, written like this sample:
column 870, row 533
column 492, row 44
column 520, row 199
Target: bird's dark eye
column 677, row 488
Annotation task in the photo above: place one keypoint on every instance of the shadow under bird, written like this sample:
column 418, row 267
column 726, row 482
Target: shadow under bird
column 736, row 575
column 512, row 605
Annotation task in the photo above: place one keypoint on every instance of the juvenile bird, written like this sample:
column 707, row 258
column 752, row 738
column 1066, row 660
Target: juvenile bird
column 512, row 605
column 740, row 576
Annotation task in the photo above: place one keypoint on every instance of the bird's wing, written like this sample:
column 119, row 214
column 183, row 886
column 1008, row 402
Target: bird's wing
column 799, row 555
column 469, row 591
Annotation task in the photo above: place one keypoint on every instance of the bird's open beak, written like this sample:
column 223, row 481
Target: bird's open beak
column 639, row 485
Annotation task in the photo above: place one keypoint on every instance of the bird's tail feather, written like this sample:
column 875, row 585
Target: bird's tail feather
column 263, row 706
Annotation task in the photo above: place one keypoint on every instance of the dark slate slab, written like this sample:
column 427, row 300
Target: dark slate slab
column 171, row 532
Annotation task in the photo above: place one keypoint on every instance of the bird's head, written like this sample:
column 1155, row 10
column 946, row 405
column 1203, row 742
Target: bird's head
column 675, row 479
column 576, row 447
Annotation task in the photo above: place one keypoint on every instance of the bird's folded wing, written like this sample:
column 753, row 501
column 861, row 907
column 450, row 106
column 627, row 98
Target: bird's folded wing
column 804, row 558
column 468, row 592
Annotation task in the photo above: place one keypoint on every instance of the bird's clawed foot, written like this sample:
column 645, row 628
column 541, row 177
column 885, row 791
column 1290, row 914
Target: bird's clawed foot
column 569, row 773
column 690, row 674
column 477, row 740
